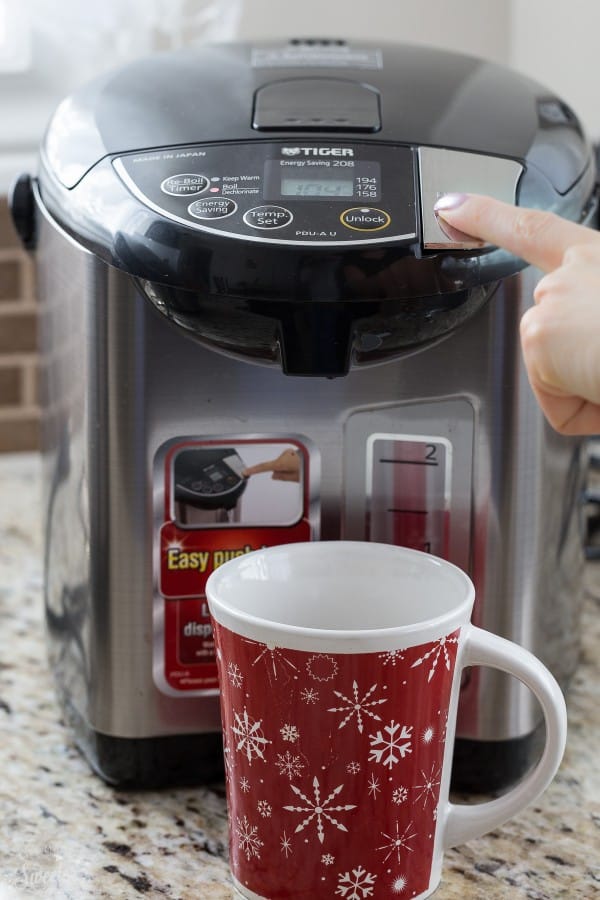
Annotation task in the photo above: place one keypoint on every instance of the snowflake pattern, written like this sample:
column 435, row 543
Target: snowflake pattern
column 397, row 842
column 343, row 763
column 309, row 695
column 399, row 884
column 428, row 734
column 235, row 674
column 248, row 838
column 356, row 707
column 436, row 651
column 399, row 795
column 289, row 733
column 289, row 765
column 251, row 740
column 285, row 844
column 265, row 809
column 373, row 786
column 359, row 880
column 388, row 749
column 228, row 759
column 322, row 667
column 319, row 809
column 427, row 790
column 274, row 660
column 391, row 657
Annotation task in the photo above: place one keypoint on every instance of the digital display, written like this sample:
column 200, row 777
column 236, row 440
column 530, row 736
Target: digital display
column 317, row 187
column 307, row 178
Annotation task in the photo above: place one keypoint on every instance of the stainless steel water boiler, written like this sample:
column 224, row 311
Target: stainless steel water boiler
column 238, row 263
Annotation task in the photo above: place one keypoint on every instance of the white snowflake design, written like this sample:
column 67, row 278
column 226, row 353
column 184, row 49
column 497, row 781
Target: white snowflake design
column 247, row 835
column 244, row 785
column 264, row 809
column 235, row 674
column 428, row 734
column 251, row 741
column 391, row 656
column 273, row 658
column 399, row 795
column 389, row 749
column 436, row 651
column 399, row 884
column 322, row 667
column 319, row 809
column 373, row 785
column 289, row 765
column 397, row 842
column 356, row 707
column 350, row 884
column 327, row 859
column 427, row 790
column 228, row 759
column 286, row 845
column 353, row 768
column 289, row 733
column 309, row 695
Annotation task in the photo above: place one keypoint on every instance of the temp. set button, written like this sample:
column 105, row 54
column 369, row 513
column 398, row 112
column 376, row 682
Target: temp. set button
column 365, row 218
column 212, row 208
column 268, row 217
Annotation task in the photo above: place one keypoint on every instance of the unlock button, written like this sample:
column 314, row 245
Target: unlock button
column 365, row 218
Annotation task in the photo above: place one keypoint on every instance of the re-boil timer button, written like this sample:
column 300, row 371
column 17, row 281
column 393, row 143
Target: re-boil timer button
column 185, row 185
column 365, row 218
column 268, row 217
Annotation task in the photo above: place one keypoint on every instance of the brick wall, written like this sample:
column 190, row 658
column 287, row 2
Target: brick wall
column 19, row 409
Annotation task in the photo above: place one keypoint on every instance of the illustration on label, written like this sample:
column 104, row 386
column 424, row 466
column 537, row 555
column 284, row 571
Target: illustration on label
column 217, row 499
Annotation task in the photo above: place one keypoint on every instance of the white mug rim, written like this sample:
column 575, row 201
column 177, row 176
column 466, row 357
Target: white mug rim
column 355, row 640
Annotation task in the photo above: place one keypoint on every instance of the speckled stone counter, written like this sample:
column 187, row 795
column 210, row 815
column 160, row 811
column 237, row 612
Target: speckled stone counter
column 64, row 835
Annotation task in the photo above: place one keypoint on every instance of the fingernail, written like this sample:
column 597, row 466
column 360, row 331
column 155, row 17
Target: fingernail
column 449, row 201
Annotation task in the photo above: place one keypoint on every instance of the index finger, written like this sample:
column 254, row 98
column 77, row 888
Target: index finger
column 259, row 467
column 540, row 238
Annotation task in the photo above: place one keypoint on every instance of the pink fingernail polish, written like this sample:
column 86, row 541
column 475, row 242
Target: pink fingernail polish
column 449, row 201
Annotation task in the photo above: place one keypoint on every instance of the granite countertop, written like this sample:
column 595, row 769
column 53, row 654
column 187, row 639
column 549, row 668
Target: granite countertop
column 64, row 835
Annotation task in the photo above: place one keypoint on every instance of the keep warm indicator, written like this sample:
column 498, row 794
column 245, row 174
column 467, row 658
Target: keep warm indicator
column 365, row 218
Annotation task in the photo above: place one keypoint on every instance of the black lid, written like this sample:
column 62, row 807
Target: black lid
column 430, row 97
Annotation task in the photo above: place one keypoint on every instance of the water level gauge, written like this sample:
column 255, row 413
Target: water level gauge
column 408, row 491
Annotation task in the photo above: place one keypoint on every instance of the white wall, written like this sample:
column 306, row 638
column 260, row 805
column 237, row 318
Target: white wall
column 480, row 27
column 558, row 43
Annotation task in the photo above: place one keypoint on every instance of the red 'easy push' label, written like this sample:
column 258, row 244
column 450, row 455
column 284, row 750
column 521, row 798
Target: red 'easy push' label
column 222, row 499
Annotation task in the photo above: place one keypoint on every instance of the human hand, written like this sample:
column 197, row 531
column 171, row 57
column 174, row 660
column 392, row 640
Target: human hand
column 560, row 335
column 286, row 467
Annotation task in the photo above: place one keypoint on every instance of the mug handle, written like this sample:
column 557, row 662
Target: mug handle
column 464, row 822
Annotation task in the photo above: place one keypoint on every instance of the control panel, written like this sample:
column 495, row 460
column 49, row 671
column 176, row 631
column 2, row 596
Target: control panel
column 313, row 193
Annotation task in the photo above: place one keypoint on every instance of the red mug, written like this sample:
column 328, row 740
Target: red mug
column 339, row 666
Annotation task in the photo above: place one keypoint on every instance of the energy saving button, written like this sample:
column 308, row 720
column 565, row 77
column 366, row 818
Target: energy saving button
column 212, row 208
column 365, row 218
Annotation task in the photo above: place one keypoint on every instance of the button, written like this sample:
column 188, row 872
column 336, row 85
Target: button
column 453, row 171
column 268, row 217
column 365, row 218
column 212, row 208
column 184, row 185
